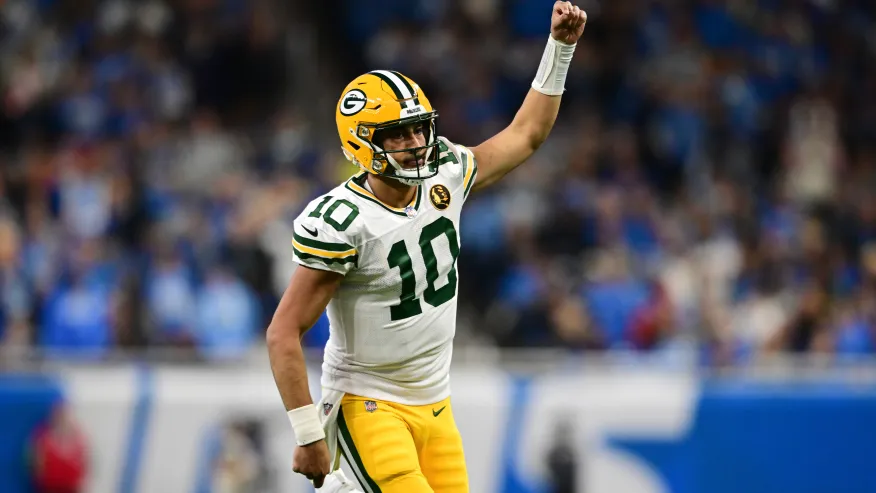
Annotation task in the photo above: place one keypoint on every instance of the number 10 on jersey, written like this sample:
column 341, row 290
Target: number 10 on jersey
column 409, row 304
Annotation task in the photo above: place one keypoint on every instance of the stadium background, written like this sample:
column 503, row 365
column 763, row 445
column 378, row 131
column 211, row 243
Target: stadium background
column 676, row 294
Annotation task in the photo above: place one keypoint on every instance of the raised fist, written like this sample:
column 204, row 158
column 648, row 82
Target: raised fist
column 567, row 22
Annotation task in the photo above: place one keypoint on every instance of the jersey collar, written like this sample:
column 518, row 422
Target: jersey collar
column 354, row 185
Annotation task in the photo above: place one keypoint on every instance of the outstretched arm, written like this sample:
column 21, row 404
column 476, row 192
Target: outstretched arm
column 534, row 120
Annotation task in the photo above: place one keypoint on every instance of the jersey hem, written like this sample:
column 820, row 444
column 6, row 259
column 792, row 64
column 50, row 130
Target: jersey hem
column 362, row 389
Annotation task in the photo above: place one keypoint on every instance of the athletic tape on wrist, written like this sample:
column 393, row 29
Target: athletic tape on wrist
column 305, row 423
column 551, row 76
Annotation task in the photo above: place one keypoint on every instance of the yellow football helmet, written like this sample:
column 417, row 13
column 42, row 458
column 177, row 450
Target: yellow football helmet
column 380, row 100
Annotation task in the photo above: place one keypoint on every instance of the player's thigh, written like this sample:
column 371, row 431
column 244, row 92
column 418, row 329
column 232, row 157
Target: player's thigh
column 441, row 456
column 379, row 447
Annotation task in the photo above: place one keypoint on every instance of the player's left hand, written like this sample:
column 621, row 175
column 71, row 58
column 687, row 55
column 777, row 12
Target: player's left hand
column 567, row 22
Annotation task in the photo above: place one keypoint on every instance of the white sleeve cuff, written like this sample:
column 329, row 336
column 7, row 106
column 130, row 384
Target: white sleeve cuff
column 551, row 76
column 306, row 425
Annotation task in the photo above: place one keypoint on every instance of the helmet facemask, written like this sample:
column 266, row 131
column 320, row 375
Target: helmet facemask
column 385, row 162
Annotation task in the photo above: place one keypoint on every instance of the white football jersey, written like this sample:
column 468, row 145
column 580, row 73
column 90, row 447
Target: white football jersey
column 394, row 316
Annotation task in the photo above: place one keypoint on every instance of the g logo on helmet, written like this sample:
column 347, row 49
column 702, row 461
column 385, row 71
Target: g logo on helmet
column 353, row 102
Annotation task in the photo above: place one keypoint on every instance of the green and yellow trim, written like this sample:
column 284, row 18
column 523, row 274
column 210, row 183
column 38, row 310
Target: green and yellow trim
column 353, row 185
column 353, row 458
column 470, row 168
column 328, row 253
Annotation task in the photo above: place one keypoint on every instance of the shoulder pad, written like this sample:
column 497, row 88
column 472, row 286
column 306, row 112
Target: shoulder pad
column 457, row 163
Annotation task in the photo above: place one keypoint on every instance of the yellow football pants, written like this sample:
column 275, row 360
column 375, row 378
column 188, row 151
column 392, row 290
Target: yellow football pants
column 394, row 448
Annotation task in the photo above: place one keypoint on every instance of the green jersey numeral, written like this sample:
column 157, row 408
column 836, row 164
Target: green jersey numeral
column 352, row 213
column 409, row 304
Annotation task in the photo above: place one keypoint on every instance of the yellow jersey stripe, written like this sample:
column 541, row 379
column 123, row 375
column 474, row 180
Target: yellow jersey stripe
column 323, row 253
column 469, row 170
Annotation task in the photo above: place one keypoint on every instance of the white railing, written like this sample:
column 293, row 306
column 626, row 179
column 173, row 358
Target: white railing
column 778, row 366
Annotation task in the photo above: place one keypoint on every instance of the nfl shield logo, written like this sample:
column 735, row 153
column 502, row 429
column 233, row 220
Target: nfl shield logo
column 370, row 406
column 327, row 408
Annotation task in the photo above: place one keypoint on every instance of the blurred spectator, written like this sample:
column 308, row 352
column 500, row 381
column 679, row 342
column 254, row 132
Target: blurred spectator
column 807, row 329
column 234, row 459
column 78, row 316
column 170, row 298
column 562, row 459
column 236, row 466
column 16, row 293
column 59, row 455
column 652, row 323
column 85, row 193
column 227, row 315
column 208, row 155
column 614, row 295
column 813, row 156
column 573, row 325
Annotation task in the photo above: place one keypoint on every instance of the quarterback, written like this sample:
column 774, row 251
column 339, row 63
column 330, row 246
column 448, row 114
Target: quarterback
column 379, row 253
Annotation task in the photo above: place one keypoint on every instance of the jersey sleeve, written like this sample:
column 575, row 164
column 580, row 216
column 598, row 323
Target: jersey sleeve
column 460, row 163
column 319, row 245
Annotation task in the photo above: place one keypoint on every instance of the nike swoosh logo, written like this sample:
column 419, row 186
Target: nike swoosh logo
column 436, row 413
column 312, row 232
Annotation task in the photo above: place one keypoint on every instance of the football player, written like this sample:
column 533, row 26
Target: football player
column 379, row 252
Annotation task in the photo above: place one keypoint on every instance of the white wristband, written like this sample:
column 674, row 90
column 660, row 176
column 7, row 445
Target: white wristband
column 551, row 76
column 305, row 423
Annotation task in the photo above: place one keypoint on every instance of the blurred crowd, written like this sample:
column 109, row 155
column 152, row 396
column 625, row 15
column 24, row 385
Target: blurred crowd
column 710, row 184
